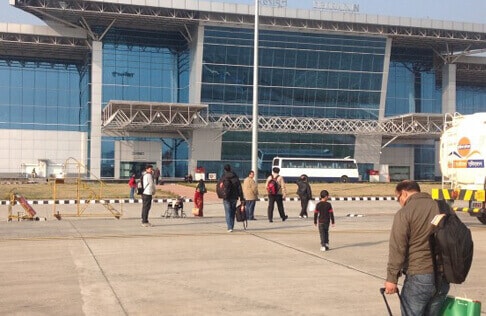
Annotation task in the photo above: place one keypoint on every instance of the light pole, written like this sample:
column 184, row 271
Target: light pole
column 254, row 131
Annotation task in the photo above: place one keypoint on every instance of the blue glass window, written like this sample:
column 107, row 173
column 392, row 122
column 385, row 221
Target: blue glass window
column 412, row 85
column 145, row 66
column 40, row 95
column 470, row 98
column 299, row 74
column 424, row 162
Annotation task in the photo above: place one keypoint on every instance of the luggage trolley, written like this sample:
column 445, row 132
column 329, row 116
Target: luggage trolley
column 175, row 209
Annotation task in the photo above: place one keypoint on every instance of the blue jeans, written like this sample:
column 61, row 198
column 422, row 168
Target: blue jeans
column 229, row 211
column 132, row 193
column 419, row 297
column 250, row 209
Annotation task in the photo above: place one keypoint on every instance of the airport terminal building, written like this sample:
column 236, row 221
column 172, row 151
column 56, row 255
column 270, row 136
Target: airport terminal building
column 118, row 84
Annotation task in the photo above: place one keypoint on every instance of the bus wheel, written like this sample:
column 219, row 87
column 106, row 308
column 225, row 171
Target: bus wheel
column 482, row 218
column 344, row 179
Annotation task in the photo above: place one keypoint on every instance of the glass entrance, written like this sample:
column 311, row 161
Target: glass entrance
column 127, row 168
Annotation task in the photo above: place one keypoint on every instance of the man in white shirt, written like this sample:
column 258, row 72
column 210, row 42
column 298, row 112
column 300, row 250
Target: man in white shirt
column 148, row 191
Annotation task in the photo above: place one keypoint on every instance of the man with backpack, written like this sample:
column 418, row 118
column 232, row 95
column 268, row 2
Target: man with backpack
column 410, row 253
column 229, row 189
column 276, row 190
column 148, row 190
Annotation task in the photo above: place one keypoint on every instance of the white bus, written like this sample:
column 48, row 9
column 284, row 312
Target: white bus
column 265, row 158
column 317, row 169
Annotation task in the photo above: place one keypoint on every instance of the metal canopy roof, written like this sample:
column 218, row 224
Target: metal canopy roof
column 410, row 125
column 136, row 116
column 43, row 46
column 442, row 35
column 128, row 116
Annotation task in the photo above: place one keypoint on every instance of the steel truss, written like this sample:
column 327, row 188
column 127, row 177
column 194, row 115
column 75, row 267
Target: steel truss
column 406, row 125
column 125, row 116
column 152, row 117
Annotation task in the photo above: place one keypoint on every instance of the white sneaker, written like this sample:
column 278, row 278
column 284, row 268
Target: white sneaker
column 300, row 216
column 146, row 225
column 230, row 230
column 305, row 216
column 327, row 246
column 323, row 249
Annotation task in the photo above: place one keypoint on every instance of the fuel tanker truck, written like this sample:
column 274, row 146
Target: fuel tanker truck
column 462, row 163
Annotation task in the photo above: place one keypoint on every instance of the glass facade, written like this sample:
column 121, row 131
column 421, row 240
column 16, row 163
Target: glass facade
column 413, row 88
column 146, row 66
column 302, row 75
column 42, row 95
column 412, row 85
column 424, row 162
column 470, row 99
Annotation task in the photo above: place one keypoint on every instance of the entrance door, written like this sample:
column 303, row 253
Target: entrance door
column 127, row 168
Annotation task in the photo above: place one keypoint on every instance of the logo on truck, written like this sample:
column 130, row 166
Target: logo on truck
column 464, row 152
column 464, row 147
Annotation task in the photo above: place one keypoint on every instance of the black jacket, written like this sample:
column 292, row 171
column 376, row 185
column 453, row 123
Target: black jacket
column 304, row 190
column 233, row 186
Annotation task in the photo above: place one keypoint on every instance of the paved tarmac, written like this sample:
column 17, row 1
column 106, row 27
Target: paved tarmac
column 193, row 266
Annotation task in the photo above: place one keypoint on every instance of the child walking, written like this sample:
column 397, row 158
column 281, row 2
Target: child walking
column 325, row 215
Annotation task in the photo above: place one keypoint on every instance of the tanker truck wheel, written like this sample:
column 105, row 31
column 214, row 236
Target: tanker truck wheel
column 482, row 218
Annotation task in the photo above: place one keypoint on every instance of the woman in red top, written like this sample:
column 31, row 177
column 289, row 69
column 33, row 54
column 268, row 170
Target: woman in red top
column 199, row 197
column 132, row 184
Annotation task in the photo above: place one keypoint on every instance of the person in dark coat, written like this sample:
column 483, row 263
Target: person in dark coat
column 305, row 194
column 233, row 192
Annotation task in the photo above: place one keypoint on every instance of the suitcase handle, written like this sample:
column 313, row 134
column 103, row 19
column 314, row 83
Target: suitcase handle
column 382, row 291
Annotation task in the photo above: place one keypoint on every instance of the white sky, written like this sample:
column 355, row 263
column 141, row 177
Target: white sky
column 453, row 10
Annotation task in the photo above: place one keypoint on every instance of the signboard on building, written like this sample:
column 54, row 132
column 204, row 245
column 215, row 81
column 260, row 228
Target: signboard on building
column 332, row 6
column 274, row 3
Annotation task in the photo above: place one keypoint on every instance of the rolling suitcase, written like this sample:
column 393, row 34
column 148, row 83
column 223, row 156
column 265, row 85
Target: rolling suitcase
column 458, row 306
column 453, row 306
column 240, row 215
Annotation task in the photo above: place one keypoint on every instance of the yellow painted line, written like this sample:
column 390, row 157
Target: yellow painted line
column 466, row 209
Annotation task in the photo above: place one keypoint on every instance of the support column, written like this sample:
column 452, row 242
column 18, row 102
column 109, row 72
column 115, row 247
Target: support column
column 96, row 99
column 195, row 80
column 367, row 149
column 205, row 145
column 195, row 77
column 449, row 88
column 384, row 80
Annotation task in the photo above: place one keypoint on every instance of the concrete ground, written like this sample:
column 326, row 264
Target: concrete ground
column 193, row 266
